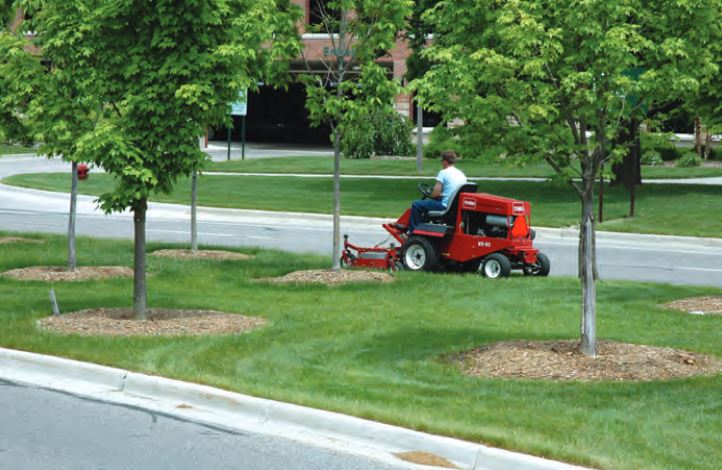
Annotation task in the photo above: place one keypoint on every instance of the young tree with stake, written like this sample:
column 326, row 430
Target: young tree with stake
column 162, row 71
column 352, row 82
column 549, row 79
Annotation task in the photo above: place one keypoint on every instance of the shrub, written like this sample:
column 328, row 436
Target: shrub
column 392, row 134
column 651, row 158
column 441, row 138
column 383, row 132
column 358, row 139
column 661, row 144
column 689, row 159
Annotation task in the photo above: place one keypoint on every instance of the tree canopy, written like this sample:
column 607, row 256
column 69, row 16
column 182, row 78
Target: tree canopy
column 131, row 85
column 556, row 80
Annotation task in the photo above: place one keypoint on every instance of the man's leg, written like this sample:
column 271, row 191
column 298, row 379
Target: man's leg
column 419, row 208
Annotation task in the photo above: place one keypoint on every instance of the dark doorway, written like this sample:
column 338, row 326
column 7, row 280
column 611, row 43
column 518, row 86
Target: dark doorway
column 278, row 115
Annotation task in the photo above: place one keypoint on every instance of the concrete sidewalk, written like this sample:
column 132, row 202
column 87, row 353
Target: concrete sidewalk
column 203, row 404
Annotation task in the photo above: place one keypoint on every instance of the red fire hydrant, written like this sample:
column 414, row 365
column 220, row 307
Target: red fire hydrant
column 83, row 171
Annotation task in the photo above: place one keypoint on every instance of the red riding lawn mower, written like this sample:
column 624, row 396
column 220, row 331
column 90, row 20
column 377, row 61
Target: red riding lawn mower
column 477, row 232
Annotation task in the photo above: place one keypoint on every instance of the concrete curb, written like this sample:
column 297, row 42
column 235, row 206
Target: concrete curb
column 631, row 238
column 214, row 406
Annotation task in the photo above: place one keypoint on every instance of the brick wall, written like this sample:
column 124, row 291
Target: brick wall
column 314, row 51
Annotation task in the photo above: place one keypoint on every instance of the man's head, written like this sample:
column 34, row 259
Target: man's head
column 448, row 158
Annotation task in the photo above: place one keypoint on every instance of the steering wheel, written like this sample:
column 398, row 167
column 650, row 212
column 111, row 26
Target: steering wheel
column 425, row 189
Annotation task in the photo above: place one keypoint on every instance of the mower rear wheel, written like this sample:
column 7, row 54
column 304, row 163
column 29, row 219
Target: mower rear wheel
column 419, row 254
column 495, row 266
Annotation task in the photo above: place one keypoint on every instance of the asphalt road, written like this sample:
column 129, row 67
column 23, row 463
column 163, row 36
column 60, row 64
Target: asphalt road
column 43, row 429
column 655, row 259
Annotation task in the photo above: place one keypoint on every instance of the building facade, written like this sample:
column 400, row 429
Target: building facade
column 316, row 44
column 281, row 116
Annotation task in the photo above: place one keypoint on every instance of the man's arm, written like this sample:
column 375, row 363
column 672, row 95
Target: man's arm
column 436, row 194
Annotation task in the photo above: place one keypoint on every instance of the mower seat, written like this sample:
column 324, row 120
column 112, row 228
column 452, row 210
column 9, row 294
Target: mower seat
column 448, row 215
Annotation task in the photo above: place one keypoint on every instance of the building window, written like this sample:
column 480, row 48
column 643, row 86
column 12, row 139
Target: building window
column 319, row 13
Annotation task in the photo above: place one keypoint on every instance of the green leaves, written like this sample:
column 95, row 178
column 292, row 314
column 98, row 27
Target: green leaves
column 354, row 83
column 552, row 79
column 133, row 83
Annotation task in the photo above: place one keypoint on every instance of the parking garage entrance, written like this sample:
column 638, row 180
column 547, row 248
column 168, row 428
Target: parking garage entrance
column 278, row 116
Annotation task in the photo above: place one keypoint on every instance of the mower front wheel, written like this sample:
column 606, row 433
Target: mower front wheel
column 419, row 254
column 347, row 259
column 495, row 266
column 541, row 267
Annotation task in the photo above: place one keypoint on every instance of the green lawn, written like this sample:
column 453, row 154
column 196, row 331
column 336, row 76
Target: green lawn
column 691, row 210
column 374, row 351
column 13, row 149
column 324, row 165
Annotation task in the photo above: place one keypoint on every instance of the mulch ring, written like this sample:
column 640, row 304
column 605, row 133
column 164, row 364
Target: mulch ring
column 710, row 305
column 61, row 273
column 562, row 360
column 329, row 277
column 9, row 240
column 160, row 322
column 201, row 254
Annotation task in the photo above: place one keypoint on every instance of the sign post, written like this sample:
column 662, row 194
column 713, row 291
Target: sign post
column 240, row 108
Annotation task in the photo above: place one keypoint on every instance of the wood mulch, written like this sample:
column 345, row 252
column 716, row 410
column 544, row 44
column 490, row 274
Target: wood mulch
column 425, row 458
column 9, row 240
column 201, row 254
column 710, row 305
column 562, row 360
column 160, row 322
column 61, row 273
column 329, row 277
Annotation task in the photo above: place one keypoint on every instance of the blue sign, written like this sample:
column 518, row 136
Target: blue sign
column 240, row 107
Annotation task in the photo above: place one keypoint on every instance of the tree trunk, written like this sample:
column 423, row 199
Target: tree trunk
column 140, row 294
column 16, row 21
column 336, row 265
column 340, row 74
column 587, row 271
column 698, row 136
column 72, row 256
column 419, row 137
column 707, row 145
column 194, row 210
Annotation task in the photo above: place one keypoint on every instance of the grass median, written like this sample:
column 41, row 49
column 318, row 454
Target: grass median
column 374, row 351
column 15, row 149
column 324, row 165
column 689, row 210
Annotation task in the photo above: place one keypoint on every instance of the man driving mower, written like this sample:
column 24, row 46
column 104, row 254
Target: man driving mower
column 448, row 181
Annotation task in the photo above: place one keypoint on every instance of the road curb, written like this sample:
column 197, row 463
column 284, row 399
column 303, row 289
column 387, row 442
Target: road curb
column 212, row 405
column 630, row 238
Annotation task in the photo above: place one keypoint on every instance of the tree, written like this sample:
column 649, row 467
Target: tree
column 160, row 71
column 9, row 13
column 47, row 104
column 707, row 103
column 352, row 81
column 417, row 35
column 550, row 79
column 18, row 72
